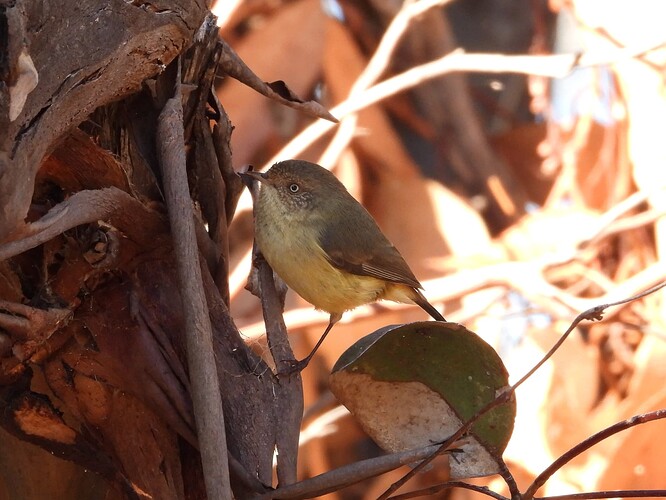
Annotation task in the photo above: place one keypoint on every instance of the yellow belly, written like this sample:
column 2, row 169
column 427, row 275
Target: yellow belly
column 327, row 288
column 335, row 291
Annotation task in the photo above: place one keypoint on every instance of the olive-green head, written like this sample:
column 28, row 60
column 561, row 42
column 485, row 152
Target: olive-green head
column 300, row 186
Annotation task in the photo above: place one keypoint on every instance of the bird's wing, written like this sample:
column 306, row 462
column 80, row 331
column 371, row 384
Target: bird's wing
column 370, row 255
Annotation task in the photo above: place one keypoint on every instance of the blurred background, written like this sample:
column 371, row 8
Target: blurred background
column 518, row 199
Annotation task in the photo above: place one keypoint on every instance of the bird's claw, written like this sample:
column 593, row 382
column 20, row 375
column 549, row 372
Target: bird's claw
column 292, row 366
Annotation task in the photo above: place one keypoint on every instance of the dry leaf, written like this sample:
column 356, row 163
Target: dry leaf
column 233, row 66
column 288, row 46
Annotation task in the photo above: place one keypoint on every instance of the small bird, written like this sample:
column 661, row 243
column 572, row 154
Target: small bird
column 326, row 246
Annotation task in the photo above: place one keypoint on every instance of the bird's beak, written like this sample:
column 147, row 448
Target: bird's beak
column 248, row 177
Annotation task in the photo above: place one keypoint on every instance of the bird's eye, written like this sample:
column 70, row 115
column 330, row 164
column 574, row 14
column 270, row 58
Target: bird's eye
column 294, row 188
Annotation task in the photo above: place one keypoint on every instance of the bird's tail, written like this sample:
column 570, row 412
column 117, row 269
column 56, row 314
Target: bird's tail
column 420, row 300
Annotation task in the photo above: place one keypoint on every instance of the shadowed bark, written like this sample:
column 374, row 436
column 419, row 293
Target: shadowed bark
column 93, row 355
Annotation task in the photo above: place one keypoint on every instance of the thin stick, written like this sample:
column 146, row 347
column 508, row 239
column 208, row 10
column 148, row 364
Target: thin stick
column 347, row 475
column 484, row 490
column 203, row 374
column 289, row 390
column 608, row 494
column 523, row 277
column 586, row 444
column 374, row 69
column 555, row 66
column 390, row 39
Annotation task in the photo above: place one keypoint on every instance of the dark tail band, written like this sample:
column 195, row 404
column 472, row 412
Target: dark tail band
column 422, row 302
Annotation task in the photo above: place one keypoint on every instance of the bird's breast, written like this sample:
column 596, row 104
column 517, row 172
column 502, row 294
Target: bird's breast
column 292, row 249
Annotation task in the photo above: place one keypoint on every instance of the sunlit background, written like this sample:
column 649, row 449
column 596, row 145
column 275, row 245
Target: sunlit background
column 519, row 200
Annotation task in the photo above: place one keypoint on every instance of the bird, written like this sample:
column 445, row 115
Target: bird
column 325, row 245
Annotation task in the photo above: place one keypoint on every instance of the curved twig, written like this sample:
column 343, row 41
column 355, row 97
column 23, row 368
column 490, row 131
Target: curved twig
column 129, row 215
column 484, row 490
column 347, row 475
column 586, row 444
column 608, row 494
column 288, row 391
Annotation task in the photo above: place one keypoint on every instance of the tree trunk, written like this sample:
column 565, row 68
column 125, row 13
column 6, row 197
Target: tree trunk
column 93, row 350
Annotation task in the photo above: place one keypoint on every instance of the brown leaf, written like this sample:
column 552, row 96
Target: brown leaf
column 233, row 65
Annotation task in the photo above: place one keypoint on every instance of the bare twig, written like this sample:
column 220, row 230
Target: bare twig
column 593, row 314
column 393, row 34
column 374, row 69
column 508, row 478
column 526, row 278
column 586, row 444
column 573, row 496
column 206, row 398
column 110, row 204
column 323, row 425
column 484, row 490
column 289, row 390
column 613, row 214
column 272, row 304
column 628, row 223
column 608, row 494
column 554, row 66
column 347, row 475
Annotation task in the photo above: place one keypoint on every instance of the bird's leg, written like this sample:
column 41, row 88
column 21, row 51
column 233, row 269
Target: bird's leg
column 297, row 366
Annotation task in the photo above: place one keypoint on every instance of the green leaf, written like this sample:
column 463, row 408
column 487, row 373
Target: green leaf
column 413, row 385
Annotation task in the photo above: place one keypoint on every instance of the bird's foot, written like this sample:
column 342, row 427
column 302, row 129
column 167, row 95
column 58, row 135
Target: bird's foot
column 292, row 366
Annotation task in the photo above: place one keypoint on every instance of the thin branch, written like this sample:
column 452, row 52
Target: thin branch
column 393, row 34
column 554, row 66
column 631, row 222
column 573, row 496
column 524, row 278
column 592, row 314
column 508, row 478
column 85, row 207
column 323, row 425
column 289, row 390
column 586, row 444
column 347, row 475
column 206, row 397
column 614, row 213
column 374, row 69
column 608, row 494
column 484, row 490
